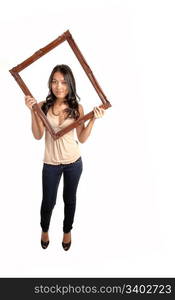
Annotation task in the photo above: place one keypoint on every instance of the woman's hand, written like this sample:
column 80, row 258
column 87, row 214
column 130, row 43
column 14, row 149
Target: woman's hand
column 98, row 112
column 29, row 101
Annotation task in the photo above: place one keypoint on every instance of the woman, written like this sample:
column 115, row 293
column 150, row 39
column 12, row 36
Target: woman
column 62, row 157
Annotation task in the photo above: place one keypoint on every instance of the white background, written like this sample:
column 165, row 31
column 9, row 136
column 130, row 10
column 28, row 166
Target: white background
column 124, row 224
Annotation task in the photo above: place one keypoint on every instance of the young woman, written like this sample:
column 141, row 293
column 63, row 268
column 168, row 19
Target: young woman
column 62, row 157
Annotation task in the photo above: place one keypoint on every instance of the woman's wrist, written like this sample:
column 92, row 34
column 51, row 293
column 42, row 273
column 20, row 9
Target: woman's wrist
column 92, row 120
column 34, row 113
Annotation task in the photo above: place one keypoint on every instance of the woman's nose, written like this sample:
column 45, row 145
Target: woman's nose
column 58, row 84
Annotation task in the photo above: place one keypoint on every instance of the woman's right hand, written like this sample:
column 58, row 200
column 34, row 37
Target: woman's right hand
column 29, row 101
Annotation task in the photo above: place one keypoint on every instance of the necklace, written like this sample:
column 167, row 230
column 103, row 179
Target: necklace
column 55, row 113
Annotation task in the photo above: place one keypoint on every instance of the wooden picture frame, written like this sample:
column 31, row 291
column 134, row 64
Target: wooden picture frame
column 66, row 36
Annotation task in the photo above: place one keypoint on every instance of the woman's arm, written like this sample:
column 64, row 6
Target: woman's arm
column 84, row 132
column 37, row 124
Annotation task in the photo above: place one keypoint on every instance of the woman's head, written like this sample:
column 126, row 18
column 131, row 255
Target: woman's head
column 62, row 85
column 59, row 87
column 67, row 74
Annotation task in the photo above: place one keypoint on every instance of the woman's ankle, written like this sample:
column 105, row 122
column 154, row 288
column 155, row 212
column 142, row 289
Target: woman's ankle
column 66, row 237
column 45, row 236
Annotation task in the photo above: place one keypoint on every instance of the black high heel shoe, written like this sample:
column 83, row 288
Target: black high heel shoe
column 44, row 245
column 66, row 246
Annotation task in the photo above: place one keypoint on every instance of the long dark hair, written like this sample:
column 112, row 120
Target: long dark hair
column 71, row 98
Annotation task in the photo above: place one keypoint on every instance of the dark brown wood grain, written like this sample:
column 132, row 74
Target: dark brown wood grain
column 66, row 36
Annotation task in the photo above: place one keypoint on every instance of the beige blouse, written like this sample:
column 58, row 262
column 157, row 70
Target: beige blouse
column 64, row 150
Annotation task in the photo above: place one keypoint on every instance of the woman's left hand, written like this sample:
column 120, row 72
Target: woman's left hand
column 98, row 112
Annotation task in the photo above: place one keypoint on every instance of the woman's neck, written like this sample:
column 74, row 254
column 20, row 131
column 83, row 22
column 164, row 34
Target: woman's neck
column 59, row 101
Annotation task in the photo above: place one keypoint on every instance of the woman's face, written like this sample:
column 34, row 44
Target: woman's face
column 59, row 86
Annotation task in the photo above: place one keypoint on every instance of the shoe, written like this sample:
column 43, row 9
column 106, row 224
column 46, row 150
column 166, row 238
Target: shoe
column 66, row 246
column 44, row 245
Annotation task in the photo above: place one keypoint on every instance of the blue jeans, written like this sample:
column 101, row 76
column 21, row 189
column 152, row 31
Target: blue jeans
column 51, row 175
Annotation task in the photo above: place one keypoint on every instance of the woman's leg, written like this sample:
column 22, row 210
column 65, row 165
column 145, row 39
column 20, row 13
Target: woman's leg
column 51, row 175
column 71, row 176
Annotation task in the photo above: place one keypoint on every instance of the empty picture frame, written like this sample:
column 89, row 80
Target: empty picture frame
column 66, row 36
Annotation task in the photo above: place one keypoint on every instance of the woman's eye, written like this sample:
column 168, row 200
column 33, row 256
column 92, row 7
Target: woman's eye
column 56, row 82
